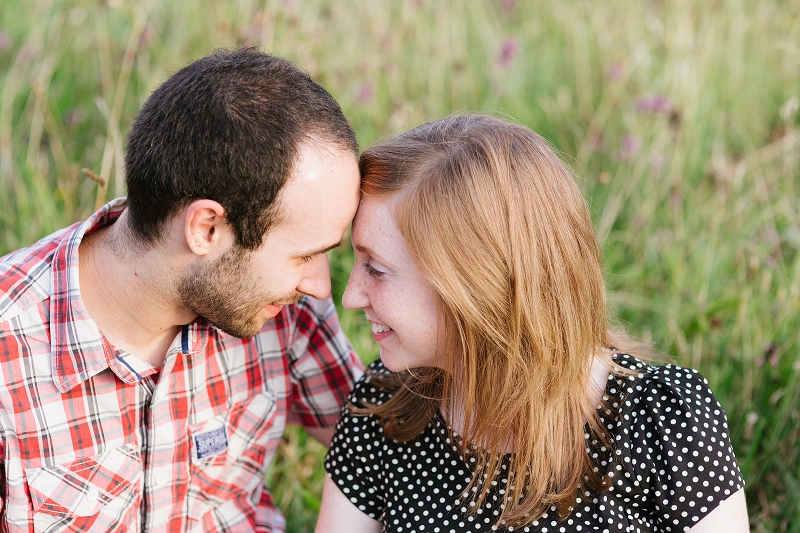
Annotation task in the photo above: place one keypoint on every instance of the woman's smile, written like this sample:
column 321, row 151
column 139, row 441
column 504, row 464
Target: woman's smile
column 380, row 331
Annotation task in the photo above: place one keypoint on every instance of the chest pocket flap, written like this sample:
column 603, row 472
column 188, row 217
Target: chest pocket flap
column 107, row 482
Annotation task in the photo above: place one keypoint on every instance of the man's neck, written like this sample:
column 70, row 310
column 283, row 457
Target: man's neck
column 129, row 295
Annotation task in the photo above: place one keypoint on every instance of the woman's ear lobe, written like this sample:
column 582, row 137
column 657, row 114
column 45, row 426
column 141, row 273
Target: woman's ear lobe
column 204, row 226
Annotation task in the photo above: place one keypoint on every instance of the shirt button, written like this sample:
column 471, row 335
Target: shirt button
column 162, row 477
column 92, row 495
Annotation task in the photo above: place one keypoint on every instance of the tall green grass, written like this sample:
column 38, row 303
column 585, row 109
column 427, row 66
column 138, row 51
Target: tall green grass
column 681, row 119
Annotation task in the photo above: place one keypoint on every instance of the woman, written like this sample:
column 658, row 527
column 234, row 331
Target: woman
column 501, row 400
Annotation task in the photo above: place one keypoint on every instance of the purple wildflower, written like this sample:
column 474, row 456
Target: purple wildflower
column 508, row 51
column 5, row 41
column 365, row 92
column 615, row 71
column 148, row 35
column 74, row 116
column 654, row 103
column 630, row 145
column 773, row 352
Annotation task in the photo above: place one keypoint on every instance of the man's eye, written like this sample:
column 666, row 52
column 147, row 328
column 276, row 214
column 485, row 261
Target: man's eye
column 372, row 271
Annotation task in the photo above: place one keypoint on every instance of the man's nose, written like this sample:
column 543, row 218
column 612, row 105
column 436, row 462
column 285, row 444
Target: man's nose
column 316, row 279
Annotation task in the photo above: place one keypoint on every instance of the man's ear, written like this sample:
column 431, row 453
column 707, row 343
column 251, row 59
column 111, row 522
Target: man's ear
column 205, row 227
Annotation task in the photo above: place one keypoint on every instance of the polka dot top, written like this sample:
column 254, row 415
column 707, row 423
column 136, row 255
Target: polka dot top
column 672, row 463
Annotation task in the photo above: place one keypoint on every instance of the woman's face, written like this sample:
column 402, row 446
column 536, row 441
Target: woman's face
column 387, row 285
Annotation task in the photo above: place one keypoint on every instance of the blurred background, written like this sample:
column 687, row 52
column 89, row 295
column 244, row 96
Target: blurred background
column 680, row 117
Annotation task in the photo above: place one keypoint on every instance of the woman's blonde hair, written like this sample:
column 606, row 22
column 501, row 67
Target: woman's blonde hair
column 497, row 224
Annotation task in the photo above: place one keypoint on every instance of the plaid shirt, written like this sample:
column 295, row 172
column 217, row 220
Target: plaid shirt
column 94, row 439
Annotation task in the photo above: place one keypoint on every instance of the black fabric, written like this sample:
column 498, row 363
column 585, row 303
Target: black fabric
column 673, row 463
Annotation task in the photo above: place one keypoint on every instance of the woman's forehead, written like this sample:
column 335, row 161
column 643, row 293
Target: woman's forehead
column 374, row 229
column 374, row 214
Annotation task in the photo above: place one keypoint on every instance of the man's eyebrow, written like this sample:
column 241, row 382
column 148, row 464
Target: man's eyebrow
column 321, row 251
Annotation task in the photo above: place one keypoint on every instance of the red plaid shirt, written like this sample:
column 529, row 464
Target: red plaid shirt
column 93, row 439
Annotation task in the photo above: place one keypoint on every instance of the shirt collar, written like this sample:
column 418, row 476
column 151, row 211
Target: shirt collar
column 79, row 349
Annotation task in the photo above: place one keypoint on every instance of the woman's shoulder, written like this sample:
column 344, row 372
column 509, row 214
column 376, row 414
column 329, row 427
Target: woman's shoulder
column 671, row 437
column 664, row 395
column 659, row 385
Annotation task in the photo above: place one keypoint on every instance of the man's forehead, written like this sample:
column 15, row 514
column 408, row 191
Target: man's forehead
column 314, row 152
column 321, row 169
column 319, row 201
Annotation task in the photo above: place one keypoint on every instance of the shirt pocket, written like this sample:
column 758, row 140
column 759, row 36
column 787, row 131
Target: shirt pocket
column 228, row 454
column 99, row 493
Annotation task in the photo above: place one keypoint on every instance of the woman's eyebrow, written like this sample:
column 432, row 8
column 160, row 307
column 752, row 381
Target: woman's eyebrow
column 370, row 252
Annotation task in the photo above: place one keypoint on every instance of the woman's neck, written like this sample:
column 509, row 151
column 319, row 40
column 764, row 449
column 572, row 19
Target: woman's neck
column 455, row 415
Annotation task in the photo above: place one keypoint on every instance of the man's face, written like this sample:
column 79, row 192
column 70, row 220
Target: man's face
column 243, row 289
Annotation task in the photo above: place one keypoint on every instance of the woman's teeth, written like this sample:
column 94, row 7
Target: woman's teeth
column 380, row 328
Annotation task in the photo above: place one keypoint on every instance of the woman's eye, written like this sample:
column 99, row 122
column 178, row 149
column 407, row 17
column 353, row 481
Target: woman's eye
column 372, row 271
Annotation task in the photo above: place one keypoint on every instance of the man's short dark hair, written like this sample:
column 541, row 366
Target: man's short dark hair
column 228, row 128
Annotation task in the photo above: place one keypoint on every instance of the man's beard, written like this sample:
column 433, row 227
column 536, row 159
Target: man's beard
column 225, row 293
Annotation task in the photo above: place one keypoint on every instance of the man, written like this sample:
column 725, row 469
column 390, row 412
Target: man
column 151, row 356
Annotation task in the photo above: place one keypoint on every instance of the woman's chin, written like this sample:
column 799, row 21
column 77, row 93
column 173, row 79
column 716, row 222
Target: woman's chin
column 395, row 364
column 400, row 358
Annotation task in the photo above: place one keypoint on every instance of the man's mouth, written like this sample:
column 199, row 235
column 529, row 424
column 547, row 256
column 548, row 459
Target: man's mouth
column 288, row 301
column 273, row 309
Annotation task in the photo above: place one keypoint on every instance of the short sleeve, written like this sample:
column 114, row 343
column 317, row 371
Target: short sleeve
column 2, row 472
column 354, row 460
column 678, row 431
column 322, row 364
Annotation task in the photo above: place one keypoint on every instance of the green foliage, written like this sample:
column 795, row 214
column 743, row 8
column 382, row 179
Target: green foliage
column 681, row 119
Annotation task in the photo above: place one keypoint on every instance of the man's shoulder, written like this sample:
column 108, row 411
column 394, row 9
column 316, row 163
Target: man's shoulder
column 308, row 332
column 26, row 277
column 321, row 309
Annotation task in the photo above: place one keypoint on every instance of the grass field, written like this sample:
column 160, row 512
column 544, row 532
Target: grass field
column 681, row 118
